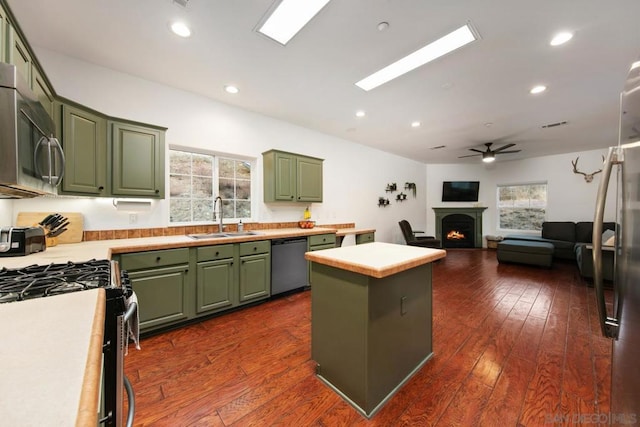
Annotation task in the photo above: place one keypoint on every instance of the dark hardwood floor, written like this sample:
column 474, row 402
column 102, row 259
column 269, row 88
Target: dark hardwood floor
column 513, row 346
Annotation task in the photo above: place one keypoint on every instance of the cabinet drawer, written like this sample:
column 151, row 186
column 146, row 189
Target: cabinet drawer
column 211, row 253
column 364, row 238
column 139, row 261
column 322, row 239
column 250, row 248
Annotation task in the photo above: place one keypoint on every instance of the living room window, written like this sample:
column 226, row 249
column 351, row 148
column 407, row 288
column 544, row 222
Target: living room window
column 196, row 179
column 522, row 206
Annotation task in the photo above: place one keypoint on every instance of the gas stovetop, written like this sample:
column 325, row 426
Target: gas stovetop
column 38, row 281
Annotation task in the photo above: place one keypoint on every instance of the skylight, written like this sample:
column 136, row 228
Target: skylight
column 289, row 18
column 434, row 50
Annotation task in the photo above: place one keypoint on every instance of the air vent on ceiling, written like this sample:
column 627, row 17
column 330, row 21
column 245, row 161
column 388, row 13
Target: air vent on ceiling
column 182, row 3
column 553, row 125
column 438, row 147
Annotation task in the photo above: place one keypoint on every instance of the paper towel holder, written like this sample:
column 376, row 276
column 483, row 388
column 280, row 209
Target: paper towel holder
column 132, row 205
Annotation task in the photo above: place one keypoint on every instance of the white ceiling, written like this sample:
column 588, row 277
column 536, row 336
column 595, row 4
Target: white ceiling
column 310, row 82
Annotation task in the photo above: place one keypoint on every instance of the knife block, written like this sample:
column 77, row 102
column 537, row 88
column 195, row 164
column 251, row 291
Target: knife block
column 50, row 241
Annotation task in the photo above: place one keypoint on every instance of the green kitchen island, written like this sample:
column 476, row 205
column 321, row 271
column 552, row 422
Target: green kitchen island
column 371, row 318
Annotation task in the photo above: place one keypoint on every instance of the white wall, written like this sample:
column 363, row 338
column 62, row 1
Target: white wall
column 354, row 175
column 569, row 197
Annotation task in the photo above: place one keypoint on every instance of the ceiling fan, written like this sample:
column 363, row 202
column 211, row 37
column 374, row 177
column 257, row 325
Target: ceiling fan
column 489, row 155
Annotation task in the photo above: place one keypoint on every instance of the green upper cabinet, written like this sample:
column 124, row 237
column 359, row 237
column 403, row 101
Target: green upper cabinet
column 309, row 179
column 84, row 138
column 290, row 177
column 42, row 90
column 3, row 34
column 19, row 55
column 137, row 161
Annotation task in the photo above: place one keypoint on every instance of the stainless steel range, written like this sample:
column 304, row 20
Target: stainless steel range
column 39, row 281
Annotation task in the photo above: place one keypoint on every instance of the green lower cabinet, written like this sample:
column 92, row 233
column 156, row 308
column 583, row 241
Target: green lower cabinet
column 365, row 238
column 255, row 277
column 318, row 243
column 162, row 284
column 215, row 286
column 162, row 295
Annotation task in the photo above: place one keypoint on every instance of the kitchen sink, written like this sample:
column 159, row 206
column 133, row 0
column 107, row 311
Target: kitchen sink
column 242, row 233
column 221, row 235
column 207, row 236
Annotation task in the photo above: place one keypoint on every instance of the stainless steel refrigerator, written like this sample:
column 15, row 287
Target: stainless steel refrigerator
column 621, row 321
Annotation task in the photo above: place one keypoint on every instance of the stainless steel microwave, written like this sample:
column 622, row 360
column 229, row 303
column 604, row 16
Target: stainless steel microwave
column 32, row 158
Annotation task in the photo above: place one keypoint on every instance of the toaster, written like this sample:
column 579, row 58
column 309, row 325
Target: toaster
column 19, row 241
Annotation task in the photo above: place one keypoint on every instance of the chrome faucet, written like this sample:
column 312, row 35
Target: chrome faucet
column 215, row 202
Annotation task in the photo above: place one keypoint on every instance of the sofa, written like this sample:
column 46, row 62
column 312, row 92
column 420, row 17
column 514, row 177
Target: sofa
column 570, row 240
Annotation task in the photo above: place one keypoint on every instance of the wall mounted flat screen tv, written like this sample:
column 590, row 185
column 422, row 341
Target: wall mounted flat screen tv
column 460, row 191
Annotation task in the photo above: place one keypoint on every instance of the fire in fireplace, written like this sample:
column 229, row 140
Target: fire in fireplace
column 455, row 235
column 458, row 230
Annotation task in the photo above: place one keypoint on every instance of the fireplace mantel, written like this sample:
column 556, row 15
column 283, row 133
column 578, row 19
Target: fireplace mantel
column 473, row 212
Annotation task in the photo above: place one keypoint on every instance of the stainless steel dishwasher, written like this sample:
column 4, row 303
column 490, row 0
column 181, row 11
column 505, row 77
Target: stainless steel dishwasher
column 288, row 266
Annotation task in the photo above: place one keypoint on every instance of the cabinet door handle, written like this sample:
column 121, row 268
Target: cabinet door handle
column 158, row 259
column 101, row 188
column 217, row 253
column 157, row 191
column 292, row 197
column 255, row 248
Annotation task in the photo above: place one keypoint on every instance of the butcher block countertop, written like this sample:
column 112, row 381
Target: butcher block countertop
column 51, row 358
column 376, row 259
column 103, row 249
column 344, row 231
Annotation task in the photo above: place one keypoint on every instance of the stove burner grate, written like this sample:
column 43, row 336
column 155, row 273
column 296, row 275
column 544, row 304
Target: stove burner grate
column 53, row 279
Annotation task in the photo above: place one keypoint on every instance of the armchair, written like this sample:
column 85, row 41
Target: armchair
column 413, row 240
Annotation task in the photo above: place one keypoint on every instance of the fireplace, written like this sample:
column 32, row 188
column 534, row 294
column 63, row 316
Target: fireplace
column 458, row 231
column 465, row 226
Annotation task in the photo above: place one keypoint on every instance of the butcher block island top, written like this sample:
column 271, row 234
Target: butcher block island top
column 376, row 259
column 51, row 358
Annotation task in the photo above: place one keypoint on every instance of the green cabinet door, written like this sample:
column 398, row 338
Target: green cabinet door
column 309, row 179
column 137, row 161
column 84, row 138
column 3, row 35
column 290, row 177
column 162, row 294
column 19, row 55
column 285, row 179
column 255, row 277
column 215, row 285
column 42, row 91
column 365, row 238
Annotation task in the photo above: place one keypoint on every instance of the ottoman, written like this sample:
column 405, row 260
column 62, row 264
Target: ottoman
column 525, row 252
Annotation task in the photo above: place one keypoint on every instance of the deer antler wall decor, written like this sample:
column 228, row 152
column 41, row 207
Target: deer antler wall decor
column 587, row 176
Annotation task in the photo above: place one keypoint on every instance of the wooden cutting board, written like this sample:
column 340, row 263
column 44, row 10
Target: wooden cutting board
column 75, row 229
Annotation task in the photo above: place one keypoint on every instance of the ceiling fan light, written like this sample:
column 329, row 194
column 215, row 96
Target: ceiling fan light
column 488, row 157
column 561, row 38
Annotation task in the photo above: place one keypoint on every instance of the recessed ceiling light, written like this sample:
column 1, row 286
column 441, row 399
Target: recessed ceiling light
column 180, row 29
column 289, row 18
column 231, row 89
column 561, row 38
column 360, row 113
column 635, row 65
column 415, row 124
column 537, row 89
column 428, row 53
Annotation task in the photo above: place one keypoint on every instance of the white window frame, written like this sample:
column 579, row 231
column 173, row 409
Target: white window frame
column 216, row 155
column 520, row 184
